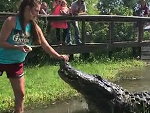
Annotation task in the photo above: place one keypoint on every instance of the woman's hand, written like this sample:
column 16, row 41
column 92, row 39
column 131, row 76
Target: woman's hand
column 24, row 48
column 64, row 57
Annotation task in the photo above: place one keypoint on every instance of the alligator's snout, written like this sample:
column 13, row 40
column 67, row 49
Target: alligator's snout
column 85, row 83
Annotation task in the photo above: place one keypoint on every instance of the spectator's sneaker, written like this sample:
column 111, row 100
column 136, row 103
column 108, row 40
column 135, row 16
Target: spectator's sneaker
column 69, row 43
column 79, row 42
column 59, row 44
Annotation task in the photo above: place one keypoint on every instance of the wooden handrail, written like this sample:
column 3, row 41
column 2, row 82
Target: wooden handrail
column 107, row 18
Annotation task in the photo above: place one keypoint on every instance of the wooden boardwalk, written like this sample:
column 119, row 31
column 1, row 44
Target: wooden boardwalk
column 93, row 47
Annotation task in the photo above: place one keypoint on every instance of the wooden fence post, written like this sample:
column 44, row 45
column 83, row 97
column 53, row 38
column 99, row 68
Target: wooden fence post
column 83, row 39
column 140, row 37
column 111, row 38
column 83, row 32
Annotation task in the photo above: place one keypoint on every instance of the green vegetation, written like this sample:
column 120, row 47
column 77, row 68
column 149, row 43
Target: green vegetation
column 44, row 86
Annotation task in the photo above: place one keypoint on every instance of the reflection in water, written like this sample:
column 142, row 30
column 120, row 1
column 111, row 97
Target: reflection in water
column 138, row 85
column 80, row 106
column 72, row 106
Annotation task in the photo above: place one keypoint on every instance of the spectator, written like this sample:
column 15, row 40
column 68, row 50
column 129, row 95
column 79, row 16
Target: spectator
column 66, row 11
column 141, row 8
column 60, row 9
column 64, row 8
column 44, row 8
column 77, row 7
column 55, row 3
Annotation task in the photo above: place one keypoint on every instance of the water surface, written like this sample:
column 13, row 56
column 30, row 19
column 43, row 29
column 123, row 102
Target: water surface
column 70, row 106
column 140, row 83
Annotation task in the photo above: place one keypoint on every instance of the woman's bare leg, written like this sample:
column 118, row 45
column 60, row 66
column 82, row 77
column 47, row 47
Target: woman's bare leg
column 18, row 85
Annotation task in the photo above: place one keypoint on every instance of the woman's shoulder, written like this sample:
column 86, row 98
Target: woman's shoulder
column 11, row 20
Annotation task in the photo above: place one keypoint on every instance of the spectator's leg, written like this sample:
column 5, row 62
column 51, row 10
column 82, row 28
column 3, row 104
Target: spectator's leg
column 48, row 27
column 77, row 34
column 58, row 35
column 64, row 35
column 68, row 37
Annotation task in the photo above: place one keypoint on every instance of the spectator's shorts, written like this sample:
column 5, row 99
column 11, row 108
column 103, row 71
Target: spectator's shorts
column 12, row 70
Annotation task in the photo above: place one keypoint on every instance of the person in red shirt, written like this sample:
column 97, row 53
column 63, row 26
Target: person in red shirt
column 60, row 8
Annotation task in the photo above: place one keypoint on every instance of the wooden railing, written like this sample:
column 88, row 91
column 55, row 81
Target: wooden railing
column 92, row 47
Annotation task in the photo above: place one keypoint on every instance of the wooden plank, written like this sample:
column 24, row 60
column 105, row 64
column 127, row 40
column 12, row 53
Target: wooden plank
column 86, row 48
column 140, row 31
column 130, row 44
column 145, row 52
column 104, row 18
column 4, row 15
column 145, row 57
column 145, row 48
column 93, row 47
column 111, row 31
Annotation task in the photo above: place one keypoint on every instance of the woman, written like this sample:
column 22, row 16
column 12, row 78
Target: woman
column 66, row 11
column 59, row 25
column 16, row 36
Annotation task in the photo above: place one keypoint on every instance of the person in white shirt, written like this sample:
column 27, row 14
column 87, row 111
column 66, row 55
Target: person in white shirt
column 77, row 7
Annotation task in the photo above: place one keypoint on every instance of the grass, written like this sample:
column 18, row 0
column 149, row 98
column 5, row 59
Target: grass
column 44, row 86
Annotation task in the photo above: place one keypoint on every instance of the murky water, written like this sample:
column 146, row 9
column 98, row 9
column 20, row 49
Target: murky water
column 142, row 83
column 80, row 106
column 70, row 106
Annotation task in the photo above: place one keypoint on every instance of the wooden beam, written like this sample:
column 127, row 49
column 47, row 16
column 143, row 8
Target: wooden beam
column 94, row 47
column 104, row 18
column 85, row 48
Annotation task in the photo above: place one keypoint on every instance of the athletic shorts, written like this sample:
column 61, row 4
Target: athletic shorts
column 12, row 70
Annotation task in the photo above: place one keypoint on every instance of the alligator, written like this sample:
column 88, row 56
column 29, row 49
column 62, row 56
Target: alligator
column 103, row 96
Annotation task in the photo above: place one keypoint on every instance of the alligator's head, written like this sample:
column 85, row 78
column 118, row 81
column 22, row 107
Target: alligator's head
column 88, row 85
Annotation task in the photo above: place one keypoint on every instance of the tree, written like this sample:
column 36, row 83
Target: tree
column 8, row 5
column 107, row 6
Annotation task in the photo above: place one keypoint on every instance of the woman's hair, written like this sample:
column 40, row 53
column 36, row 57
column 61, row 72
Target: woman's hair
column 34, row 31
